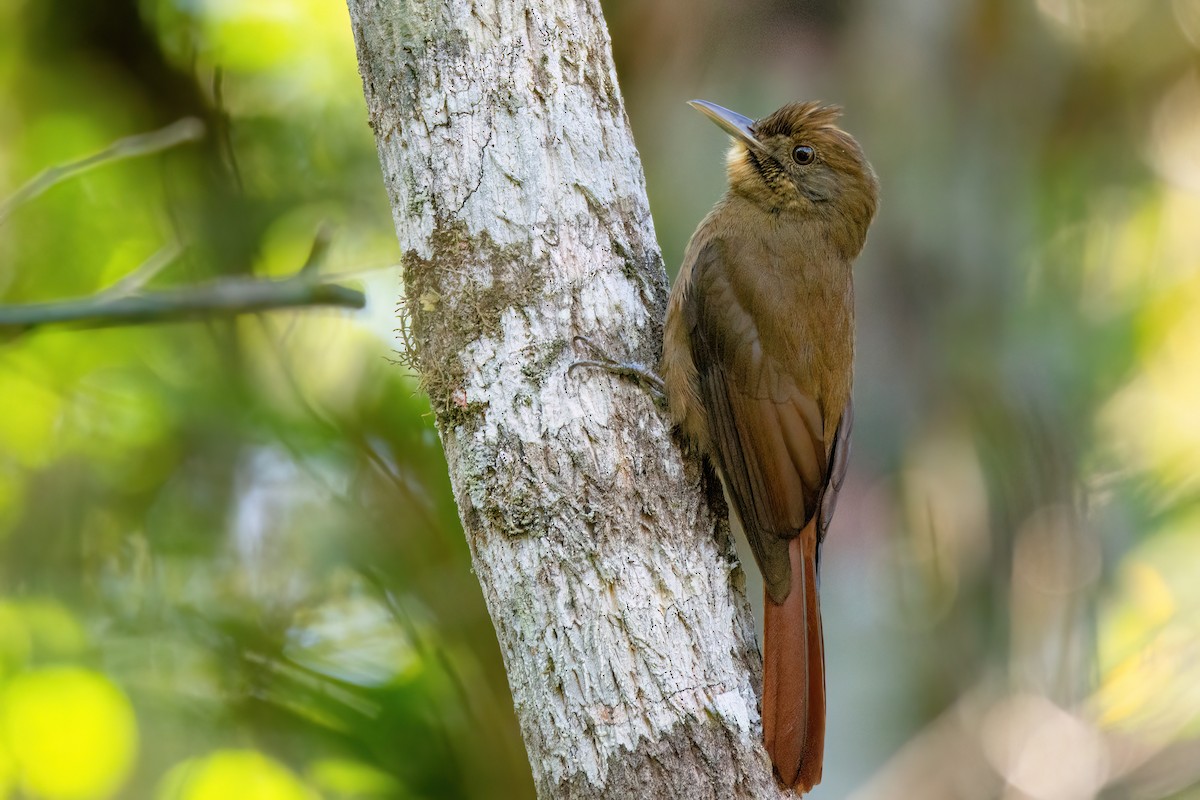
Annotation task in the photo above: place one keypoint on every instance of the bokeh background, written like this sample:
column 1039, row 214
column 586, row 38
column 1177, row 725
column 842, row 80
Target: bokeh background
column 230, row 566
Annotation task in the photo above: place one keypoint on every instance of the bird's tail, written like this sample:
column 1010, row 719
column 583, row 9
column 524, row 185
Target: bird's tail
column 794, row 672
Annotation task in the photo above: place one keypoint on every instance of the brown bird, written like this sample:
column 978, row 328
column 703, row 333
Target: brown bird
column 758, row 359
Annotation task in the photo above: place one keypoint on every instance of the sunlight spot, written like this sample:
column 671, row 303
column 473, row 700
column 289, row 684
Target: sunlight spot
column 71, row 733
column 1175, row 134
column 1092, row 20
column 244, row 774
column 1044, row 751
column 342, row 777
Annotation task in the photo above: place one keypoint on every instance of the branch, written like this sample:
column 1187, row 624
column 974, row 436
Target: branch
column 188, row 129
column 226, row 297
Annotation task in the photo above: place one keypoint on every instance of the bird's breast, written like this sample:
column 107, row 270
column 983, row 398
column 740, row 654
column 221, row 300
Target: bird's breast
column 797, row 297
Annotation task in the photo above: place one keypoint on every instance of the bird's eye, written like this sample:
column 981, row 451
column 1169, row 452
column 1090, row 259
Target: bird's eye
column 804, row 154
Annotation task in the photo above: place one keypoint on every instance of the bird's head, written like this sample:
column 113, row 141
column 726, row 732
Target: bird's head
column 797, row 160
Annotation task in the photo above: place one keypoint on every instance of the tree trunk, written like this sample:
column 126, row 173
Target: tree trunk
column 520, row 207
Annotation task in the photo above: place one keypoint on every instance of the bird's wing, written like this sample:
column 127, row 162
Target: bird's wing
column 766, row 433
column 839, row 460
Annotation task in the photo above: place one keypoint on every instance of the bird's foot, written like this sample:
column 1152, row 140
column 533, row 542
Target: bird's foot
column 643, row 375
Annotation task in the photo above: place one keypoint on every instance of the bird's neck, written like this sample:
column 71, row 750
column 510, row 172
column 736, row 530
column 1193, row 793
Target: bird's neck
column 836, row 227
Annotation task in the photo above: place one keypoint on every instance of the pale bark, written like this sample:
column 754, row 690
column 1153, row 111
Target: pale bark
column 520, row 207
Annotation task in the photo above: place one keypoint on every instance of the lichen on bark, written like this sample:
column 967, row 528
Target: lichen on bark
column 449, row 311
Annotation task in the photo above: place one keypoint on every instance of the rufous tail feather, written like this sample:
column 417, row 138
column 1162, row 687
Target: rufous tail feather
column 794, row 673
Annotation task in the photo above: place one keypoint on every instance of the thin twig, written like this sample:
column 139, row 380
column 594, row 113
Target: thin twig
column 134, row 281
column 320, row 249
column 224, row 129
column 227, row 297
column 188, row 129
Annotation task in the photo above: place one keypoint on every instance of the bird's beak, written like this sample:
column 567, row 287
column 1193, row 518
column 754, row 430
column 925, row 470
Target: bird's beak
column 731, row 122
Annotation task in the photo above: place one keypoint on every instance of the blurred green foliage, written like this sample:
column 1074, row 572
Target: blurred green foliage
column 230, row 565
column 228, row 554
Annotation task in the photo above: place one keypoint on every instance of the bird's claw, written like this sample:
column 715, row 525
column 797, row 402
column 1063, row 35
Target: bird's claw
column 640, row 373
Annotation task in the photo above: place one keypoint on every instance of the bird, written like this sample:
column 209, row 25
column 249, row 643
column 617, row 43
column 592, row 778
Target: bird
column 757, row 367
